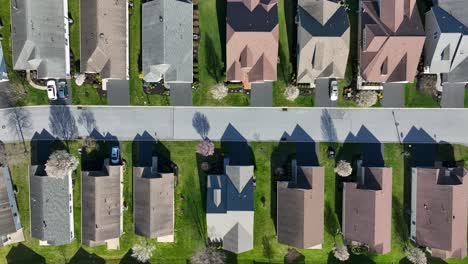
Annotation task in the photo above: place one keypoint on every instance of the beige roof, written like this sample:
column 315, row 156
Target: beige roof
column 104, row 38
column 367, row 209
column 101, row 204
column 300, row 209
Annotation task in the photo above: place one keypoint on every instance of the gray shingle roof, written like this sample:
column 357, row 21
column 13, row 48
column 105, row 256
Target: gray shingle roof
column 51, row 209
column 457, row 8
column 104, row 26
column 9, row 223
column 38, row 37
column 154, row 201
column 3, row 68
column 101, row 204
column 167, row 30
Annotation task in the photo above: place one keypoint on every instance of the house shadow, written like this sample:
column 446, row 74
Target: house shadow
column 145, row 147
column 42, row 146
column 84, row 257
column 23, row 254
column 92, row 157
column 237, row 147
column 128, row 259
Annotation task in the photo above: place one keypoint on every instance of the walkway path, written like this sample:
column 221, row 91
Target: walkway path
column 229, row 123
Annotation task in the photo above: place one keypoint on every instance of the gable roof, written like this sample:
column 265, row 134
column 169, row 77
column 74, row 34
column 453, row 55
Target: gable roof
column 300, row 208
column 167, row 44
column 38, row 37
column 101, row 204
column 9, row 223
column 456, row 8
column 50, row 205
column 104, row 30
column 440, row 210
column 323, row 39
column 367, row 209
column 251, row 40
column 392, row 40
column 153, row 201
column 447, row 23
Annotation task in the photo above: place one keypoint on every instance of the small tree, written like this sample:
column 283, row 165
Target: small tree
column 143, row 251
column 340, row 252
column 219, row 91
column 206, row 148
column 291, row 93
column 208, row 256
column 366, row 98
column 61, row 163
column 416, row 256
column 343, row 168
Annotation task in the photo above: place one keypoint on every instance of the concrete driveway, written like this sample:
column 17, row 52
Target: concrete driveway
column 118, row 92
column 4, row 91
column 394, row 95
column 453, row 95
column 322, row 93
column 262, row 94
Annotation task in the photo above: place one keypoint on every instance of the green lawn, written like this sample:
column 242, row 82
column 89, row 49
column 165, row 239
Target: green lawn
column 466, row 98
column 415, row 98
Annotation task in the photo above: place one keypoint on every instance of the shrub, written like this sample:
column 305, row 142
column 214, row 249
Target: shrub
column 219, row 91
column 291, row 93
column 416, row 256
column 366, row 98
column 205, row 148
column 143, row 251
column 60, row 164
column 340, row 252
column 343, row 168
column 208, row 256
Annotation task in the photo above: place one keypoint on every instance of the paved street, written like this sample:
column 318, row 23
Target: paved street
column 241, row 123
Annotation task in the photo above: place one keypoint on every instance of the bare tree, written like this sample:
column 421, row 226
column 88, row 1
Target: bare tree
column 366, row 98
column 208, row 256
column 343, row 168
column 416, row 256
column 206, row 148
column 219, row 91
column 86, row 119
column 19, row 119
column 61, row 163
column 143, row 251
column 340, row 252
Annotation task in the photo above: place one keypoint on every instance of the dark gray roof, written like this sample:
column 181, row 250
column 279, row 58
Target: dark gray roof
column 38, row 37
column 8, row 222
column 457, row 8
column 50, row 204
column 241, row 19
column 167, row 30
column 448, row 23
column 153, row 201
column 101, row 204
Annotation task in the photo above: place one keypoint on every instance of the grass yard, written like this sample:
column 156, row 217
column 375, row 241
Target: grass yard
column 466, row 97
column 415, row 98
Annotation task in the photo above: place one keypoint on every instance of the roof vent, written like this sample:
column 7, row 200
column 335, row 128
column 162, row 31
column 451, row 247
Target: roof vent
column 161, row 19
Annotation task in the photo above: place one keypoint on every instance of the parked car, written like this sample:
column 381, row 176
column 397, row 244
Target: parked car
column 62, row 89
column 51, row 90
column 334, row 90
column 115, row 155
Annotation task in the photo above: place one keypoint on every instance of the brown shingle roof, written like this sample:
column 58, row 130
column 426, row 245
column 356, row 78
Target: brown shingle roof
column 251, row 41
column 393, row 38
column 367, row 209
column 440, row 207
column 300, row 209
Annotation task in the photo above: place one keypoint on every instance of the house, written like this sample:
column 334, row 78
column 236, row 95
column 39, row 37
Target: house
column 439, row 209
column 300, row 208
column 392, row 39
column 51, row 207
column 102, row 206
column 40, row 37
column 251, row 41
column 167, row 40
column 153, row 199
column 3, row 68
column 446, row 48
column 323, row 36
column 11, row 230
column 367, row 209
column 104, row 38
column 230, row 208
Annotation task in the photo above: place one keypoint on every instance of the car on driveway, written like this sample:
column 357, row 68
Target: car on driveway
column 115, row 155
column 334, row 90
column 62, row 89
column 51, row 90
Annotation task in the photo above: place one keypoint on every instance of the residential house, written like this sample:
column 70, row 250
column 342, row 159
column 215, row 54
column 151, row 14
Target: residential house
column 367, row 209
column 251, row 41
column 11, row 230
column 104, row 38
column 323, row 40
column 446, row 48
column 51, row 207
column 153, row 199
column 40, row 39
column 300, row 208
column 439, row 209
column 230, row 208
column 102, row 206
column 392, row 39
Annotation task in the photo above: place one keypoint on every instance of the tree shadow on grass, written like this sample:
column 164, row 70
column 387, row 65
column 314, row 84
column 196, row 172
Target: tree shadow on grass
column 221, row 6
column 290, row 7
column 23, row 254
column 128, row 259
column 400, row 221
column 213, row 65
column 84, row 257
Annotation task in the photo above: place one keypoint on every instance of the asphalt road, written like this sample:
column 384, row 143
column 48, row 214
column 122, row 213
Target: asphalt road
column 238, row 123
